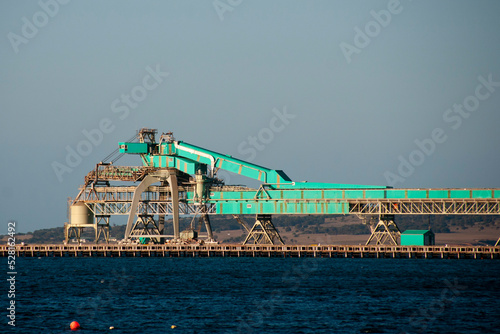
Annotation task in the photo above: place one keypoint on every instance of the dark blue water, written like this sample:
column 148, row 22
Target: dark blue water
column 261, row 295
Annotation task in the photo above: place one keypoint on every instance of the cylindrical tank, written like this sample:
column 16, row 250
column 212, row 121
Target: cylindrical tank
column 80, row 214
column 200, row 185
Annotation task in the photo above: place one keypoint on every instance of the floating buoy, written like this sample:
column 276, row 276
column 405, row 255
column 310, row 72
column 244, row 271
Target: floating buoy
column 74, row 326
column 173, row 326
column 111, row 327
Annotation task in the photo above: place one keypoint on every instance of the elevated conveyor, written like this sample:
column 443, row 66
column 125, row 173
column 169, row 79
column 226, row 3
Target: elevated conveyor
column 197, row 191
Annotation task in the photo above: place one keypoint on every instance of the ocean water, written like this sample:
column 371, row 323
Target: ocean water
column 255, row 295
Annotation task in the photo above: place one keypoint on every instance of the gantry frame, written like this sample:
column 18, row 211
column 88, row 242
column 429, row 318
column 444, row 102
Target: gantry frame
column 189, row 186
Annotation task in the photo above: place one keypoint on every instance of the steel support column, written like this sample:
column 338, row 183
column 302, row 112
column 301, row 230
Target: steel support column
column 264, row 232
column 102, row 227
column 148, row 180
column 386, row 232
column 174, row 190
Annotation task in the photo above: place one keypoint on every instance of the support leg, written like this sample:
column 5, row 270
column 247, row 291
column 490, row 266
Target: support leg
column 161, row 228
column 161, row 218
column 172, row 180
column 66, row 234
column 264, row 232
column 386, row 232
column 102, row 227
column 146, row 182
column 206, row 219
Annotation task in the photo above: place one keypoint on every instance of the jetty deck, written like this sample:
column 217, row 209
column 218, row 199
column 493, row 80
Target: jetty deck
column 238, row 250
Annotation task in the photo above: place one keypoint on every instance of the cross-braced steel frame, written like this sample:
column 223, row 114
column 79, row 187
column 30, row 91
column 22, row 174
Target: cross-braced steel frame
column 264, row 232
column 429, row 206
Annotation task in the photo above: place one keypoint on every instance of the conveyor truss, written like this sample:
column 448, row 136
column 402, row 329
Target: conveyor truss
column 178, row 179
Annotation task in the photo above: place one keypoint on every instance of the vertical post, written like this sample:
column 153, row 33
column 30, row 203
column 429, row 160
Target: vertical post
column 96, row 234
column 172, row 180
column 161, row 218
column 66, row 235
column 206, row 219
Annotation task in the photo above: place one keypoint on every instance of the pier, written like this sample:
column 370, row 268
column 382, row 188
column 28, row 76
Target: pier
column 238, row 250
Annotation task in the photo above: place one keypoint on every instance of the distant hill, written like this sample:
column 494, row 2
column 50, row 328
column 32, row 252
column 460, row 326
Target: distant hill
column 325, row 224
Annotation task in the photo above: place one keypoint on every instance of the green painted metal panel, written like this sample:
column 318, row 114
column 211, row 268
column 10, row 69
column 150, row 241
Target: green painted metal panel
column 412, row 240
column 373, row 194
column 251, row 173
column 312, row 194
column 335, row 194
column 248, row 194
column 215, row 195
column 292, row 194
column 290, row 208
column 354, row 194
column 300, row 208
column 497, row 193
column 441, row 193
column 337, row 208
column 419, row 232
column 231, row 164
column 417, row 238
column 415, row 194
column 269, row 208
column 483, row 193
column 167, row 149
column 274, row 193
column 247, row 208
column 310, row 208
column 252, row 208
column 273, row 207
column 396, row 193
column 186, row 165
column 320, row 185
column 232, row 167
column 231, row 208
column 232, row 195
column 261, row 195
column 133, row 148
column 279, row 207
column 459, row 193
column 190, row 165
column 183, row 166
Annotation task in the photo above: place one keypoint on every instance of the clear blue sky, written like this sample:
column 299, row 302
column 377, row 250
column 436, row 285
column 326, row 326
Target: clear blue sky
column 353, row 115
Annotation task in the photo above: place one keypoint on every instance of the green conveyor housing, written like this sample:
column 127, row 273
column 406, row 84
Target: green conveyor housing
column 331, row 201
column 189, row 158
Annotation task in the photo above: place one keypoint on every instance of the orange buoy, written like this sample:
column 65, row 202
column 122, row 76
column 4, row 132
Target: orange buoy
column 74, row 326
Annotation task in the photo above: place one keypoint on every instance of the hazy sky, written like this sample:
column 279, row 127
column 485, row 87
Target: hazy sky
column 369, row 92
